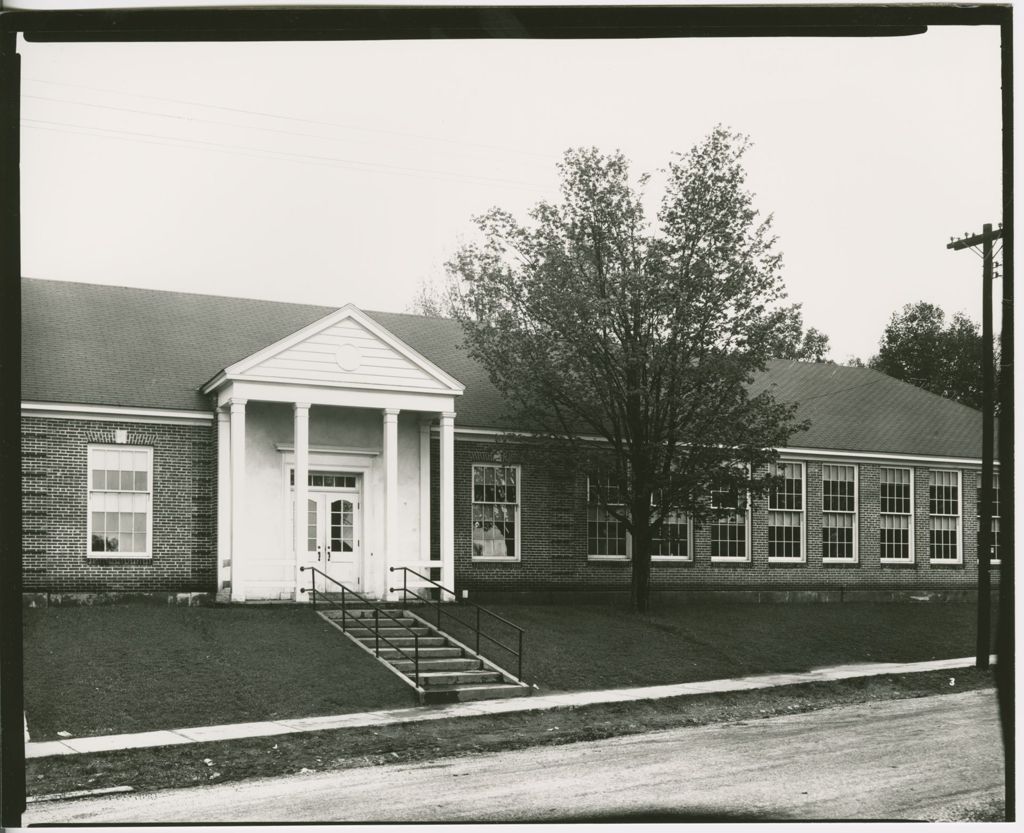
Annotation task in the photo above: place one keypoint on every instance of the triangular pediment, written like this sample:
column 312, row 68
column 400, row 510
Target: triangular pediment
column 345, row 349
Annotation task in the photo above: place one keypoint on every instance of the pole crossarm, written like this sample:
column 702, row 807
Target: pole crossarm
column 967, row 241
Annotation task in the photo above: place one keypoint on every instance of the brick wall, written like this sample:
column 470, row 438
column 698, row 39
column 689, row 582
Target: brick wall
column 553, row 518
column 55, row 500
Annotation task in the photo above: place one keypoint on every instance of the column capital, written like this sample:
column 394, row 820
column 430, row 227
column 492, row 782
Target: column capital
column 391, row 412
column 223, row 416
column 301, row 406
column 426, row 423
column 447, row 416
column 237, row 404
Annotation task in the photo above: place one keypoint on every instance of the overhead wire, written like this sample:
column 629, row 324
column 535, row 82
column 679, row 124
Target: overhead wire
column 264, row 153
column 320, row 122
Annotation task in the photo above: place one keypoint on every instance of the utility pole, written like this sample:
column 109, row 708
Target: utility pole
column 985, row 240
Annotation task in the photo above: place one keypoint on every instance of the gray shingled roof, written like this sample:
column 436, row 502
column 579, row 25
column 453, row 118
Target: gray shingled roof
column 107, row 345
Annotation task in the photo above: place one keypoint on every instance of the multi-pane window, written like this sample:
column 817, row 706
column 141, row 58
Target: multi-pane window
column 606, row 534
column 328, row 480
column 838, row 512
column 944, row 515
column 896, row 488
column 729, row 531
column 120, row 496
column 673, row 540
column 996, row 554
column 342, row 526
column 495, row 511
column 786, row 513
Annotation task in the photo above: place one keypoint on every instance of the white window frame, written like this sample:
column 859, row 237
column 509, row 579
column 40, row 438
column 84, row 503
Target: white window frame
column 959, row 519
column 677, row 559
column 747, row 534
column 497, row 559
column 993, row 562
column 802, row 559
column 89, row 491
column 856, row 515
column 598, row 557
column 911, row 525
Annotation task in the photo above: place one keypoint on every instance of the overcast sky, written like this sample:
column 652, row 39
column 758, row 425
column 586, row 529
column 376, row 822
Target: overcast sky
column 330, row 173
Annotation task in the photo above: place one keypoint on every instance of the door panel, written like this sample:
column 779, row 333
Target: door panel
column 333, row 536
column 341, row 541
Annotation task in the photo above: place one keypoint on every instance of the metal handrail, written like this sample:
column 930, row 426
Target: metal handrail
column 377, row 610
column 477, row 631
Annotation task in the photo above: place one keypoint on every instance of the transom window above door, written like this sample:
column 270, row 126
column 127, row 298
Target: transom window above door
column 327, row 480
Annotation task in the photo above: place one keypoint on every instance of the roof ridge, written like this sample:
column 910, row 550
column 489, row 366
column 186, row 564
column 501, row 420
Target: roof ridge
column 233, row 297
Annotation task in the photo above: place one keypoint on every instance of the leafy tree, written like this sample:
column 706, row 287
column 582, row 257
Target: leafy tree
column 627, row 345
column 919, row 347
column 437, row 300
column 788, row 339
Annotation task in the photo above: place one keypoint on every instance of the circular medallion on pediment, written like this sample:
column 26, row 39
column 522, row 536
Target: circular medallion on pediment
column 348, row 357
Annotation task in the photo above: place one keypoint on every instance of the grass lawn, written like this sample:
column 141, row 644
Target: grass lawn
column 132, row 668
column 589, row 646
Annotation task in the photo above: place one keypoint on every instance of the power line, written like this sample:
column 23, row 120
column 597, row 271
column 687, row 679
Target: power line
column 265, row 114
column 194, row 119
column 332, row 161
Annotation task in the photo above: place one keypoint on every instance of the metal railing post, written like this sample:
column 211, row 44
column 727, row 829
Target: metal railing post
column 478, row 630
column 344, row 626
column 520, row 674
column 376, row 629
column 405, row 584
column 416, row 657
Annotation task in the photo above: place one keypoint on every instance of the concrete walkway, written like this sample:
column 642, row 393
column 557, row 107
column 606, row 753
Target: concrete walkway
column 236, row 731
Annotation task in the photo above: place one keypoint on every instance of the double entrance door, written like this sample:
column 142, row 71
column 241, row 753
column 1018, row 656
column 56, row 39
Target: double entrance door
column 333, row 529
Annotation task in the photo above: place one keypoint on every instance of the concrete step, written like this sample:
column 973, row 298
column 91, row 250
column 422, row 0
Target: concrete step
column 428, row 664
column 425, row 653
column 361, row 633
column 367, row 612
column 485, row 691
column 405, row 642
column 432, row 679
column 363, row 622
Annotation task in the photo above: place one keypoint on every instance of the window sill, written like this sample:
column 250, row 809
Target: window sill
column 787, row 560
column 476, row 559
column 608, row 558
column 729, row 559
column 672, row 559
column 896, row 562
column 852, row 561
column 945, row 562
column 121, row 556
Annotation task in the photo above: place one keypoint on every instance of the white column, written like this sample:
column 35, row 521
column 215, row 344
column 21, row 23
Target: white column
column 390, row 487
column 447, row 527
column 425, row 489
column 223, row 503
column 238, row 527
column 301, row 494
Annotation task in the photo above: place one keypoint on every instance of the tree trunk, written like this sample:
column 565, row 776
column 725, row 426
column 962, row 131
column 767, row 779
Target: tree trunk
column 640, row 589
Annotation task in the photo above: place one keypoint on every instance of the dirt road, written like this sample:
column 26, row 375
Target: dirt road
column 912, row 759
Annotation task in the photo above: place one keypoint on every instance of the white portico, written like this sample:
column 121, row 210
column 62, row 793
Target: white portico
column 324, row 460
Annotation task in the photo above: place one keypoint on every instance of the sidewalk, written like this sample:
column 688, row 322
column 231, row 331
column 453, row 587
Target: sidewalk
column 236, row 731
